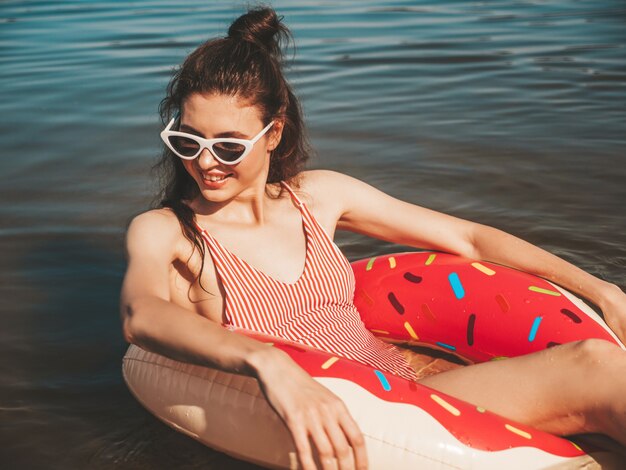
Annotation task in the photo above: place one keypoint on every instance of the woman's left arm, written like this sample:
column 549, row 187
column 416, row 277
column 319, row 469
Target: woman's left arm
column 364, row 209
column 491, row 244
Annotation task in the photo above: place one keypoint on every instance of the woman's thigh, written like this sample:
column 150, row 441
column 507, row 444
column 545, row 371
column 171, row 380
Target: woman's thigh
column 555, row 390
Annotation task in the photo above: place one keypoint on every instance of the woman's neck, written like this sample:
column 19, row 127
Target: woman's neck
column 247, row 208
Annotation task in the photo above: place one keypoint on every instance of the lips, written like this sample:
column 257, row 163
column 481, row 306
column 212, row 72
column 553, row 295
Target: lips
column 215, row 180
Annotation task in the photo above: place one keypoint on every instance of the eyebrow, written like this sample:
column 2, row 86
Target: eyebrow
column 233, row 134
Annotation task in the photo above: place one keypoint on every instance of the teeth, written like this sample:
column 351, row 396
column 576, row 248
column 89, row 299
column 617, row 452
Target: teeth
column 214, row 178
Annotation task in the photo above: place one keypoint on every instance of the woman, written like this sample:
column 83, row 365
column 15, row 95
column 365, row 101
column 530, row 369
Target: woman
column 235, row 189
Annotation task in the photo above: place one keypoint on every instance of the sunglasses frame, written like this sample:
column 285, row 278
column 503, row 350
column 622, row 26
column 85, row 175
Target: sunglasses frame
column 208, row 143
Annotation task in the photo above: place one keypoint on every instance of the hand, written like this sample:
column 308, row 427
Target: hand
column 614, row 309
column 312, row 411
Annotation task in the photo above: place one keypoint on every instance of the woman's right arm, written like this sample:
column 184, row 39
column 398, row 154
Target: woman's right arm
column 151, row 321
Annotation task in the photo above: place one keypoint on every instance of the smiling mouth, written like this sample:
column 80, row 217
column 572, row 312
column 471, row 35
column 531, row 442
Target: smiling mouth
column 215, row 178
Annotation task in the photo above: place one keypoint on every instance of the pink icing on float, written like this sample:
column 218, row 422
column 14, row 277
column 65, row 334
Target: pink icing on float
column 476, row 310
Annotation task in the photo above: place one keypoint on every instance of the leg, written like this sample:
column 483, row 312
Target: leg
column 568, row 389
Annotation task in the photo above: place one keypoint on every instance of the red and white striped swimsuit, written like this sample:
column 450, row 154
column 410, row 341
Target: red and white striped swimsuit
column 316, row 310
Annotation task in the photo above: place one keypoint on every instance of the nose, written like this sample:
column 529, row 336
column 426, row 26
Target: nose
column 206, row 158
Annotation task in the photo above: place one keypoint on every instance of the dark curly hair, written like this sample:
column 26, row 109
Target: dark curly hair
column 247, row 63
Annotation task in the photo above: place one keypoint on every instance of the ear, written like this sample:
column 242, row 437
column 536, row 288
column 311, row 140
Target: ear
column 275, row 134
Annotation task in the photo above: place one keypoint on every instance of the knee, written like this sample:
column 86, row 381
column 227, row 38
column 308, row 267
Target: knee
column 593, row 352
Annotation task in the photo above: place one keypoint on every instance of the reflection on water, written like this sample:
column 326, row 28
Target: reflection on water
column 511, row 114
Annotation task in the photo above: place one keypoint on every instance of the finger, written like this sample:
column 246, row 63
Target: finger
column 324, row 447
column 356, row 440
column 303, row 447
column 343, row 451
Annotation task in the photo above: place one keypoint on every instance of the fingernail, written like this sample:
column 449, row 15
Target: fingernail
column 293, row 461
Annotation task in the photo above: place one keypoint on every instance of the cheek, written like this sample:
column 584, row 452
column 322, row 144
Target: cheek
column 254, row 162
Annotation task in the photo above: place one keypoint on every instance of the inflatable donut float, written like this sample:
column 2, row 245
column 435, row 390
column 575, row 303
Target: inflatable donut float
column 476, row 310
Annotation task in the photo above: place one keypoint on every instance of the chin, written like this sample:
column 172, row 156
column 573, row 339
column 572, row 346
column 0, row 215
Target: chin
column 215, row 195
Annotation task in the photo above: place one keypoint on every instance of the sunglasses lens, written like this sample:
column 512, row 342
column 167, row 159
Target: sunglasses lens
column 228, row 151
column 185, row 146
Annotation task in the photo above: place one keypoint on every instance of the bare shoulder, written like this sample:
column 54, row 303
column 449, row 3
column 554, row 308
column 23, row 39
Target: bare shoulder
column 147, row 224
column 329, row 189
column 324, row 185
column 156, row 232
column 323, row 179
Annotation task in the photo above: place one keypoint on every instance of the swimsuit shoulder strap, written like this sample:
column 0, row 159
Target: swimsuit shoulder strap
column 299, row 203
column 200, row 229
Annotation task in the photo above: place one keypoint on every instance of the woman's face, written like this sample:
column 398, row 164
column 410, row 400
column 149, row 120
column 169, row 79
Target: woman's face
column 213, row 116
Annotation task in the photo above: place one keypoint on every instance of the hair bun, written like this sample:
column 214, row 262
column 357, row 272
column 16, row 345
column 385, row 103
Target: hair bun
column 262, row 27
